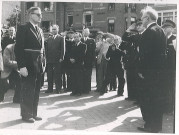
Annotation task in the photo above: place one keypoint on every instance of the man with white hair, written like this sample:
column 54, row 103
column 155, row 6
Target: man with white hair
column 153, row 49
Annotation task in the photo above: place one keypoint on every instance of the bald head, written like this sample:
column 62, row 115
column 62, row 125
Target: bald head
column 12, row 31
column 86, row 32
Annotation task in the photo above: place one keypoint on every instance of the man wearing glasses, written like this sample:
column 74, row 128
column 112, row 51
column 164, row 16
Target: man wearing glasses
column 153, row 48
column 28, row 50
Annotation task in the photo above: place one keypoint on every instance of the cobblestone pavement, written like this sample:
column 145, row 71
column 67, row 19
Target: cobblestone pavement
column 92, row 112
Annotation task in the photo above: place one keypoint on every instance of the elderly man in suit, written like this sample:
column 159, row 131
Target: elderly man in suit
column 54, row 55
column 89, row 59
column 153, row 62
column 29, row 50
column 11, row 71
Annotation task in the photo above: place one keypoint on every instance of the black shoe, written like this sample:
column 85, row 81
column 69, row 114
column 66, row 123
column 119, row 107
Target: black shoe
column 144, row 129
column 16, row 101
column 131, row 99
column 120, row 95
column 1, row 100
column 37, row 118
column 48, row 91
column 57, row 92
column 29, row 120
column 79, row 94
column 72, row 94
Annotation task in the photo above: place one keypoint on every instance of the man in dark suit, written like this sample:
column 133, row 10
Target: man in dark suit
column 69, row 42
column 54, row 55
column 29, row 49
column 89, row 59
column 9, row 39
column 168, row 27
column 131, row 44
column 77, row 55
column 153, row 58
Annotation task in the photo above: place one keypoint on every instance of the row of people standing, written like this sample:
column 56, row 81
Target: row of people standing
column 76, row 55
column 109, row 62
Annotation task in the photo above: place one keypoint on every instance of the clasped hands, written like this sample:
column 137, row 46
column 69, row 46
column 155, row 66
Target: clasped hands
column 72, row 60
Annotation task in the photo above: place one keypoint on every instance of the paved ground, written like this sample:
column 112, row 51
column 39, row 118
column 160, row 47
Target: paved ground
column 93, row 113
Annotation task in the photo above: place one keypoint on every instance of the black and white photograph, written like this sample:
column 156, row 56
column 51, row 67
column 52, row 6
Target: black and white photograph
column 88, row 67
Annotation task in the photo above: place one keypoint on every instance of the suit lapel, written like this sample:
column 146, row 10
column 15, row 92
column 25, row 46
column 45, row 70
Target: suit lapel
column 37, row 36
column 153, row 24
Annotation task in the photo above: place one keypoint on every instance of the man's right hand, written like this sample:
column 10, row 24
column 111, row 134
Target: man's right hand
column 23, row 71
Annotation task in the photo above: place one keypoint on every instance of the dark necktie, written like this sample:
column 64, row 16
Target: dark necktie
column 36, row 29
column 38, row 34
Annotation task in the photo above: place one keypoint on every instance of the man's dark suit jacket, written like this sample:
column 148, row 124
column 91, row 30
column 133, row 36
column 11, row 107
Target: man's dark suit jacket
column 153, row 58
column 68, row 47
column 90, row 52
column 78, row 53
column 153, row 49
column 55, row 49
column 28, row 39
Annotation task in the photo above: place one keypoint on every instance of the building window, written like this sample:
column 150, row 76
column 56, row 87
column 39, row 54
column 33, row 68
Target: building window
column 133, row 19
column 70, row 20
column 111, row 6
column 101, row 5
column 111, row 25
column 88, row 6
column 167, row 15
column 29, row 5
column 47, row 6
column 46, row 26
column 131, row 6
column 88, row 18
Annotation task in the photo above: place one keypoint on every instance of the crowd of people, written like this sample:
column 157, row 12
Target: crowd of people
column 146, row 53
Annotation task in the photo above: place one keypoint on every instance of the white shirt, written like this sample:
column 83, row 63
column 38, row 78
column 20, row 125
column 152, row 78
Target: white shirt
column 85, row 38
column 34, row 25
column 54, row 36
column 78, row 43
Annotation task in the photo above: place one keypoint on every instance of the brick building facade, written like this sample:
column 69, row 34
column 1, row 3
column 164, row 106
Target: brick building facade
column 106, row 17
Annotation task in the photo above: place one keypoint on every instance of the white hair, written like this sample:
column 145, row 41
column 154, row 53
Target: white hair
column 151, row 12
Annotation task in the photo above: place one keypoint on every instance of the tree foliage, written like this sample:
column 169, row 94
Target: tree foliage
column 12, row 20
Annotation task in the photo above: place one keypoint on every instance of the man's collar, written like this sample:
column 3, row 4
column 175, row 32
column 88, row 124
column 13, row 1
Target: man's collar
column 150, row 24
column 78, row 43
column 85, row 38
column 169, row 36
column 33, row 24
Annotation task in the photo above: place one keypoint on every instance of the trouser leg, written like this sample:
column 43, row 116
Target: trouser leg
column 17, row 81
column 58, row 76
column 121, row 80
column 50, row 76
